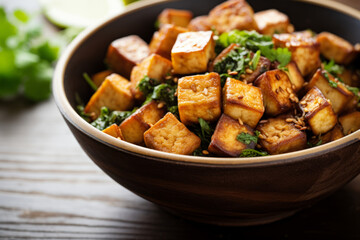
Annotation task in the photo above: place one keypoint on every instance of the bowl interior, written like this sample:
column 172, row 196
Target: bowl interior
column 88, row 55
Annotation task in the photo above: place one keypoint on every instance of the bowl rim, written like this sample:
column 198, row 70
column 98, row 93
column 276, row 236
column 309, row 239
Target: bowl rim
column 72, row 116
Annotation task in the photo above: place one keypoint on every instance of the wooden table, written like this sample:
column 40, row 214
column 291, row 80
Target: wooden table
column 49, row 189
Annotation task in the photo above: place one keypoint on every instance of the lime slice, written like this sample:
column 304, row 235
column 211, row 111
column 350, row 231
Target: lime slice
column 79, row 13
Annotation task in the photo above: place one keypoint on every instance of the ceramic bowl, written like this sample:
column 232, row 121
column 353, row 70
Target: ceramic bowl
column 223, row 191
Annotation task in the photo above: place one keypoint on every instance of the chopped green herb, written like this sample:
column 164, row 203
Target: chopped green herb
column 146, row 85
column 252, row 153
column 331, row 83
column 204, row 131
column 354, row 90
column 107, row 118
column 316, row 144
column 89, row 81
column 247, row 138
column 255, row 59
column 333, row 68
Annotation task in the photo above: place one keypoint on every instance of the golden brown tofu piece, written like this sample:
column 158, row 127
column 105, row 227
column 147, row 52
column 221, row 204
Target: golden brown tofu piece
column 295, row 76
column 200, row 23
column 305, row 50
column 334, row 134
column 272, row 21
column 243, row 101
column 163, row 41
column 199, row 96
column 192, row 51
column 279, row 136
column 318, row 111
column 176, row 17
column 133, row 127
column 114, row 93
column 350, row 122
column 332, row 89
column 124, row 53
column 114, row 131
column 233, row 14
column 170, row 135
column 336, row 48
column 351, row 77
column 224, row 140
column 277, row 90
column 99, row 77
column 154, row 66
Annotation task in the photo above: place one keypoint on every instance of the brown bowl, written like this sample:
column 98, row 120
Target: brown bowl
column 223, row 191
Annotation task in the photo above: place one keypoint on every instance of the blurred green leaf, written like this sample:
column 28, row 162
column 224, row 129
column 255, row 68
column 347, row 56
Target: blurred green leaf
column 21, row 15
column 37, row 86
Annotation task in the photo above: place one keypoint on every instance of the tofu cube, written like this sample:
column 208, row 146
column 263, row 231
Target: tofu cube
column 114, row 131
column 318, row 111
column 337, row 93
column 334, row 134
column 154, row 66
column 133, row 127
column 170, row 135
column 336, row 48
column 243, row 101
column 350, row 122
column 295, row 76
column 124, row 53
column 272, row 21
column 114, row 93
column 199, row 96
column 233, row 14
column 224, row 142
column 163, row 41
column 200, row 23
column 99, row 77
column 279, row 136
column 192, row 52
column 351, row 77
column 176, row 17
column 305, row 50
column 277, row 90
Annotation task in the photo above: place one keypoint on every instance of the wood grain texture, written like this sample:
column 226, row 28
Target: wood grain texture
column 49, row 189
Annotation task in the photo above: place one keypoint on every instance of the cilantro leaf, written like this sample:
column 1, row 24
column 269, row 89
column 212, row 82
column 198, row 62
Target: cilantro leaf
column 204, row 131
column 107, row 118
column 247, row 138
column 146, row 85
column 252, row 153
column 333, row 68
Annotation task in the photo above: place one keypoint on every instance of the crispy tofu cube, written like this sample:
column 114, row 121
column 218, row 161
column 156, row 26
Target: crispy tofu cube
column 199, row 96
column 176, row 17
column 133, row 127
column 272, row 21
column 170, row 135
column 318, row 111
column 350, row 122
column 200, row 23
column 262, row 66
column 243, row 101
column 99, row 77
column 295, row 76
column 279, row 136
column 337, row 93
column 163, row 41
column 334, row 134
column 192, row 52
column 124, row 53
column 114, row 131
column 233, row 14
column 336, row 48
column 114, row 93
column 277, row 90
column 154, row 66
column 305, row 50
column 224, row 142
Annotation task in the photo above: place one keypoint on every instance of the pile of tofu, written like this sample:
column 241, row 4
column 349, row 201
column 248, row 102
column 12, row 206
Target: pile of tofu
column 287, row 108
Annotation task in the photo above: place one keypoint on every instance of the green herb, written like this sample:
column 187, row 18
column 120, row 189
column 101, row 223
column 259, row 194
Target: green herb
column 255, row 59
column 285, row 69
column 198, row 152
column 146, row 85
column 331, row 83
column 252, row 153
column 247, row 138
column 354, row 90
column 255, row 41
column 26, row 57
column 107, row 118
column 333, row 68
column 89, row 81
column 316, row 144
column 204, row 131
